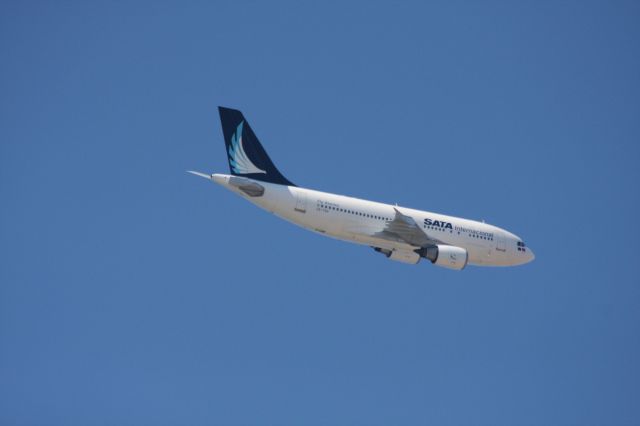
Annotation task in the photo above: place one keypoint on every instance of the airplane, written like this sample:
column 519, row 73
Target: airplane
column 399, row 233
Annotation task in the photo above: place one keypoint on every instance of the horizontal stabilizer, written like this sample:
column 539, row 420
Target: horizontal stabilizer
column 204, row 175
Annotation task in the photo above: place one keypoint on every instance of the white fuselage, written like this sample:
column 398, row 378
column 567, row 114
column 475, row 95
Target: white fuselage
column 358, row 221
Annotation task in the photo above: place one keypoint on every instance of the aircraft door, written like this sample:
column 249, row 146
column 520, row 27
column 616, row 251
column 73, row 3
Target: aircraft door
column 301, row 201
column 501, row 243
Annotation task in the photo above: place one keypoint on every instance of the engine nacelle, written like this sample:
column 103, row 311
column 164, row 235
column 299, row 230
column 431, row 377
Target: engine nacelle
column 451, row 257
column 404, row 256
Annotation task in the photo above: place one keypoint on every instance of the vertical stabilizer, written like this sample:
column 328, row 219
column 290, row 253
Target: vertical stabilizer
column 246, row 155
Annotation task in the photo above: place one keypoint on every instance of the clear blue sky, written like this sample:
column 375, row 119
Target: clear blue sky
column 133, row 293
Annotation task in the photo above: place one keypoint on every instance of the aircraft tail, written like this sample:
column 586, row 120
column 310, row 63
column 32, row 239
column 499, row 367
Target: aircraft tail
column 246, row 155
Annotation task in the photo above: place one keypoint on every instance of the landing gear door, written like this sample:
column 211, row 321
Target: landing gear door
column 301, row 202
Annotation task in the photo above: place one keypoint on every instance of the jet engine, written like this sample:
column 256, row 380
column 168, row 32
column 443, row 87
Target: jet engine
column 451, row 257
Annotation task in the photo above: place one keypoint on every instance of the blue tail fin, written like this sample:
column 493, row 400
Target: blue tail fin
column 246, row 155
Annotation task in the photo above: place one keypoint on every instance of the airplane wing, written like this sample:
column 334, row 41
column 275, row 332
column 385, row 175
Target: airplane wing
column 404, row 229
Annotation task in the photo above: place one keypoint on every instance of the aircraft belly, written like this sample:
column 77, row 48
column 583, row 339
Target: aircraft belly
column 481, row 255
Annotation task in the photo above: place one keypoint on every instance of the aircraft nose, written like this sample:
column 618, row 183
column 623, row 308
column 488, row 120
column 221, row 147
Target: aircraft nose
column 530, row 255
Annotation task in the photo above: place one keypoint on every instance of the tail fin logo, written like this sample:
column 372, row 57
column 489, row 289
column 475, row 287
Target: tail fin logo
column 238, row 159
